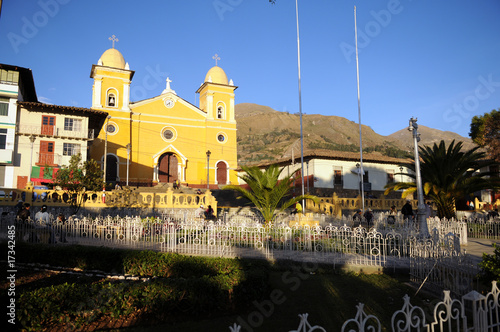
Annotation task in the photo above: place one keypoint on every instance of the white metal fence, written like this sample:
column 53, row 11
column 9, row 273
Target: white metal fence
column 180, row 233
column 472, row 312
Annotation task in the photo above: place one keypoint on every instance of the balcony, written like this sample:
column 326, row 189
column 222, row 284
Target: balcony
column 49, row 159
column 6, row 156
column 56, row 132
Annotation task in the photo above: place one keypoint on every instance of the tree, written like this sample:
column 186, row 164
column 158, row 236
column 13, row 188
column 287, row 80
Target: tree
column 485, row 131
column 448, row 174
column 77, row 178
column 267, row 191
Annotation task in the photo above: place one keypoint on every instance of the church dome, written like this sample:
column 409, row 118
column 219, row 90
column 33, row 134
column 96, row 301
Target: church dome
column 216, row 75
column 112, row 58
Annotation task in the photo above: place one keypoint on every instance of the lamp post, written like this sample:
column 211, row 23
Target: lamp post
column 424, row 231
column 105, row 152
column 359, row 178
column 208, row 168
column 401, row 171
column 32, row 140
column 128, row 159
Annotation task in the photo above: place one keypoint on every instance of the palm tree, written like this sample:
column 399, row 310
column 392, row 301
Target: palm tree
column 267, row 191
column 449, row 174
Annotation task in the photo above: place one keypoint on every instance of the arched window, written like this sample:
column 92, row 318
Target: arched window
column 220, row 112
column 111, row 100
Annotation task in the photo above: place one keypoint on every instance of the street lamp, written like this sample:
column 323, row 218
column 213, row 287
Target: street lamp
column 208, row 168
column 106, row 148
column 401, row 171
column 424, row 231
column 128, row 159
column 359, row 179
column 32, row 140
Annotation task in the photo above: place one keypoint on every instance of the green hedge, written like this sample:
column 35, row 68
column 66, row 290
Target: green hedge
column 181, row 285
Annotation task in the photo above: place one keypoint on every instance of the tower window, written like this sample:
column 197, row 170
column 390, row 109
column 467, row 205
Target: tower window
column 111, row 100
column 220, row 112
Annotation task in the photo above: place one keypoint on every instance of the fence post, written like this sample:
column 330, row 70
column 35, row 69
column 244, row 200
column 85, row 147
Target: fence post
column 476, row 303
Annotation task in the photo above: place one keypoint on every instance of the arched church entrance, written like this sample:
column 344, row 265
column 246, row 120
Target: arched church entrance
column 221, row 172
column 111, row 168
column 168, row 168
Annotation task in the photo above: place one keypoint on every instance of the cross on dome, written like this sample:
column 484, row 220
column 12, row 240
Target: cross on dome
column 216, row 57
column 113, row 39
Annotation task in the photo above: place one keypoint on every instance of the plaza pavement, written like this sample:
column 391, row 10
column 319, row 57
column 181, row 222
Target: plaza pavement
column 476, row 247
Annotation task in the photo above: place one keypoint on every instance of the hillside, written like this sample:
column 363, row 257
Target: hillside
column 265, row 134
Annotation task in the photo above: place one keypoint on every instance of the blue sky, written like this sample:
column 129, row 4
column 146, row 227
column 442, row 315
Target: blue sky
column 435, row 60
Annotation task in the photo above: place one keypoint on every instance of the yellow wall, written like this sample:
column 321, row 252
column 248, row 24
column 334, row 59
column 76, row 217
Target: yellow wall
column 196, row 130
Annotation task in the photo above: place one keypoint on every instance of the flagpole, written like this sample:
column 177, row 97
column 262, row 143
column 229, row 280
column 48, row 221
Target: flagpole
column 362, row 173
column 300, row 104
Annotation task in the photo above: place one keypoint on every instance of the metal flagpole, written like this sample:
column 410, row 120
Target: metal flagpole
column 362, row 173
column 300, row 105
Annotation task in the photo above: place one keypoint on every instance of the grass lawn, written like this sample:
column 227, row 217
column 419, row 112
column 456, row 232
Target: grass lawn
column 328, row 297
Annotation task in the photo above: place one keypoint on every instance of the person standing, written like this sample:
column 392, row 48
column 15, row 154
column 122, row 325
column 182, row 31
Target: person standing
column 42, row 216
column 407, row 211
column 368, row 216
column 24, row 214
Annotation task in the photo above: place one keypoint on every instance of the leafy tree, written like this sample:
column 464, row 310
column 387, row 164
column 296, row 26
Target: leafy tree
column 267, row 191
column 77, row 178
column 448, row 174
column 485, row 131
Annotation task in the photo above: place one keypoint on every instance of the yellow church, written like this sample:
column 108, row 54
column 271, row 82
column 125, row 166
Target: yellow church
column 164, row 139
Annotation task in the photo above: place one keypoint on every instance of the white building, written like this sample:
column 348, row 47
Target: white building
column 16, row 83
column 326, row 172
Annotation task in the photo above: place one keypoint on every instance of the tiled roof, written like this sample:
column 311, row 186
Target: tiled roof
column 44, row 106
column 338, row 155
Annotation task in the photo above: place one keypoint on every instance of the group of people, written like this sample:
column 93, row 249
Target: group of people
column 407, row 212
column 201, row 212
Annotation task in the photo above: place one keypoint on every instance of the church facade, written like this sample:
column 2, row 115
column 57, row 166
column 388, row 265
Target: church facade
column 165, row 138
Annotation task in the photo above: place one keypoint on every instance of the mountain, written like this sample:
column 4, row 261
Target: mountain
column 265, row 134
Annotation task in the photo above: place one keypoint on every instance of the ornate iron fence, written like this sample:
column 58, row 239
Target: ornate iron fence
column 473, row 312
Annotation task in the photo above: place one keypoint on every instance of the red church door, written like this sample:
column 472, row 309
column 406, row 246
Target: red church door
column 221, row 172
column 167, row 169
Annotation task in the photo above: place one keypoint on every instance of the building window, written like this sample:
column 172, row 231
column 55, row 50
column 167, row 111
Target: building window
column 111, row 100
column 70, row 149
column 72, row 124
column 4, row 106
column 220, row 112
column 337, row 177
column 168, row 134
column 3, row 138
column 221, row 137
column 390, row 176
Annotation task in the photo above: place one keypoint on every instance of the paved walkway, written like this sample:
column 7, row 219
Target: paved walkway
column 476, row 247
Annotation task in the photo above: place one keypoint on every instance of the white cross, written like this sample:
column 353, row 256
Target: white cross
column 113, row 39
column 216, row 57
column 168, row 83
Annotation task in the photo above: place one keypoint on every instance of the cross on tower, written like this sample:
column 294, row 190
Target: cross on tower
column 113, row 39
column 216, row 57
column 168, row 83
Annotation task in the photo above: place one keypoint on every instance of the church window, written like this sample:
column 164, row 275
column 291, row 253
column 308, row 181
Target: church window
column 221, row 137
column 111, row 100
column 168, row 134
column 111, row 128
column 220, row 112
